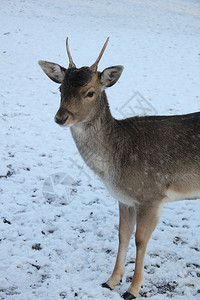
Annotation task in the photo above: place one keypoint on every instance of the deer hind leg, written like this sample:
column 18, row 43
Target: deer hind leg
column 126, row 225
column 146, row 223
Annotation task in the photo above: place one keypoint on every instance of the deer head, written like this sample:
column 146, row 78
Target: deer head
column 81, row 88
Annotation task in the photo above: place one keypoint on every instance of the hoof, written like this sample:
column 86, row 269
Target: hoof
column 106, row 286
column 128, row 296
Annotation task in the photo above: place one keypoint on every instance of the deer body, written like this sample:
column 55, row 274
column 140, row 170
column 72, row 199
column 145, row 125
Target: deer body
column 149, row 158
column 143, row 161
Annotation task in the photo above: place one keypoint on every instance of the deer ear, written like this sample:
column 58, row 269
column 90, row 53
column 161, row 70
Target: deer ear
column 54, row 71
column 110, row 75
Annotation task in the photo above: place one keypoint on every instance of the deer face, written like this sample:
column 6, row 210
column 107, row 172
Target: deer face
column 80, row 88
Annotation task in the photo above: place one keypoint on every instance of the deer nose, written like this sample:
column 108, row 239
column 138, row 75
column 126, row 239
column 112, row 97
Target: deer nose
column 61, row 121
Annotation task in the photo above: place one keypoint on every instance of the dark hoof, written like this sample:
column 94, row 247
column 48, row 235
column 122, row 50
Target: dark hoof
column 128, row 296
column 106, row 286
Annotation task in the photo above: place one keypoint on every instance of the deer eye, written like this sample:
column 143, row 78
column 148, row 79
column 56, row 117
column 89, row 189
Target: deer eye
column 90, row 94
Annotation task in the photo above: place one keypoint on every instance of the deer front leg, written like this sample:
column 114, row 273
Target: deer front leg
column 146, row 223
column 126, row 226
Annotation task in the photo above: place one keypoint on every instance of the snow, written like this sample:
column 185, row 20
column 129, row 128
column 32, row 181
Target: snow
column 64, row 247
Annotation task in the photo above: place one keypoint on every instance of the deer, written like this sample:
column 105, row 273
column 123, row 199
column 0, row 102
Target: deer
column 143, row 161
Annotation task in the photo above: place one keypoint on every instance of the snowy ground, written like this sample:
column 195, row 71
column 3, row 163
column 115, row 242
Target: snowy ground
column 65, row 248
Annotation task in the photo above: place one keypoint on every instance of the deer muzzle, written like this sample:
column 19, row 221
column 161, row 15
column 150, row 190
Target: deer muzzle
column 61, row 121
column 62, row 116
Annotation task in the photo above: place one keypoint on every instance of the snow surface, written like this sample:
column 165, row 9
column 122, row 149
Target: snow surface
column 58, row 225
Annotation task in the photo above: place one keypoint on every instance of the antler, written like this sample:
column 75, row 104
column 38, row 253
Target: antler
column 95, row 65
column 71, row 63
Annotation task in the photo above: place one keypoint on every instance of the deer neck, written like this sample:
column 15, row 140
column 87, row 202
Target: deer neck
column 92, row 137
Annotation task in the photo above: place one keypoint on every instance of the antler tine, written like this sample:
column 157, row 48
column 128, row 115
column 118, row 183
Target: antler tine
column 71, row 63
column 95, row 65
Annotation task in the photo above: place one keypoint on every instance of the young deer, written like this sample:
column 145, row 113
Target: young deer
column 143, row 161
